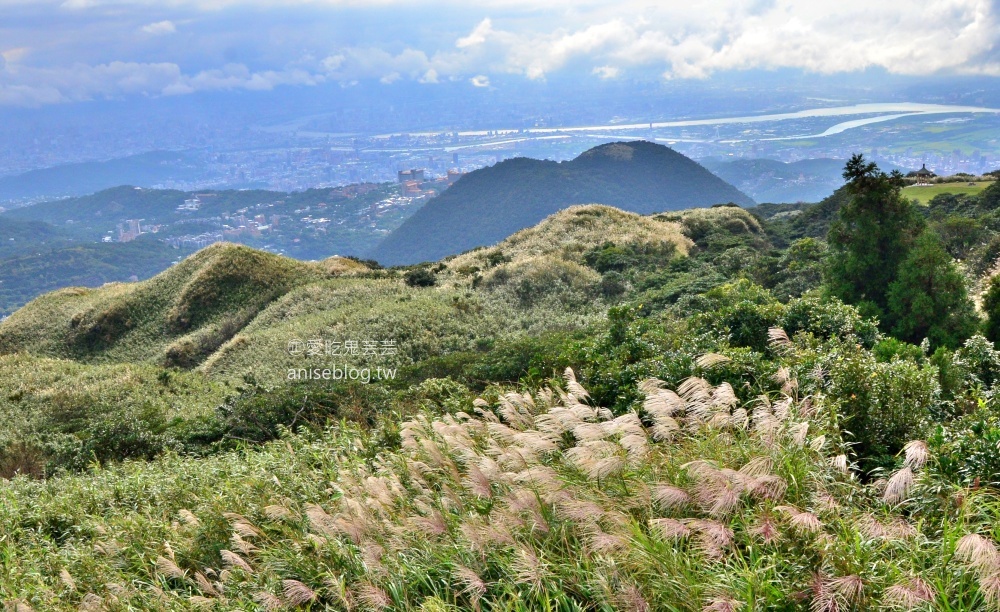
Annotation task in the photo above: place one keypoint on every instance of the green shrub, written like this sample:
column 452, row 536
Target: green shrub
column 967, row 451
column 742, row 311
column 420, row 277
column 613, row 284
column 882, row 405
column 928, row 298
column 890, row 349
column 979, row 360
column 828, row 318
column 258, row 414
column 991, row 308
column 611, row 257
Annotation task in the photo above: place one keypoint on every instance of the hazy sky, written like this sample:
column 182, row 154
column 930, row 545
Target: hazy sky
column 74, row 50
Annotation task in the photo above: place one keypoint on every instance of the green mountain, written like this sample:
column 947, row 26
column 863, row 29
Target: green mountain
column 19, row 237
column 489, row 204
column 146, row 170
column 311, row 224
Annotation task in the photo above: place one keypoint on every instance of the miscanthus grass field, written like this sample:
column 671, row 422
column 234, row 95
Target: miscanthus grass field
column 711, row 410
column 694, row 501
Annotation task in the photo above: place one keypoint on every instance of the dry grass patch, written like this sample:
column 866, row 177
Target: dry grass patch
column 571, row 232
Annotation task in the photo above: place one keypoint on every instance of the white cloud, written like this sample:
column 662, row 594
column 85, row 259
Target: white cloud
column 14, row 56
column 477, row 36
column 696, row 40
column 81, row 82
column 159, row 28
column 607, row 72
column 603, row 38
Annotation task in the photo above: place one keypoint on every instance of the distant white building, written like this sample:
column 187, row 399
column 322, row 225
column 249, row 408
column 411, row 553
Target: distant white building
column 190, row 205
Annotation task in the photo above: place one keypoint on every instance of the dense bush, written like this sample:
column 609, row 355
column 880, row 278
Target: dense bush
column 420, row 277
column 881, row 406
column 828, row 318
column 635, row 256
column 968, row 449
column 258, row 413
column 991, row 308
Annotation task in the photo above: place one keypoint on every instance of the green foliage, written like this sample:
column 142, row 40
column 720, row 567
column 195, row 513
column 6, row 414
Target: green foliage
column 980, row 361
column 928, row 298
column 968, row 449
column 420, row 277
column 742, row 312
column 991, row 308
column 496, row 258
column 259, row 414
column 959, row 234
column 990, row 196
column 545, row 279
column 828, row 319
column 882, row 405
column 800, row 268
column 891, row 349
column 610, row 257
column 871, row 236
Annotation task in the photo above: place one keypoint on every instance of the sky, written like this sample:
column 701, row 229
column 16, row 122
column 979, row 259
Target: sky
column 67, row 51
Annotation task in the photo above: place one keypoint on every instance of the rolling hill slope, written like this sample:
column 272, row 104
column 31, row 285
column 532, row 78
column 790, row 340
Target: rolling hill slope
column 489, row 204
column 177, row 317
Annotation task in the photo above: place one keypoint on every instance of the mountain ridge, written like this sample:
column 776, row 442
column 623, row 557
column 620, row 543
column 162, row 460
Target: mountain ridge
column 489, row 204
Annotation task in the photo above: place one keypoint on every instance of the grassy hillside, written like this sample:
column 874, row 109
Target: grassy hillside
column 925, row 193
column 199, row 302
column 604, row 411
column 223, row 321
column 489, row 204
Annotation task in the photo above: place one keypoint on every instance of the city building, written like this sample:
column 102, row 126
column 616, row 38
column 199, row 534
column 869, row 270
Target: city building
column 413, row 174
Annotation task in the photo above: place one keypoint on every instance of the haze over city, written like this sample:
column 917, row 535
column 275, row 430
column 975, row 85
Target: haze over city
column 296, row 95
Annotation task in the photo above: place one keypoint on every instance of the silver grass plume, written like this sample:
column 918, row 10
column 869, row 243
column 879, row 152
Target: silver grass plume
column 297, row 594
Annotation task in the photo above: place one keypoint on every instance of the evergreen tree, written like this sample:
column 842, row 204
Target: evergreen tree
column 870, row 237
column 928, row 299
